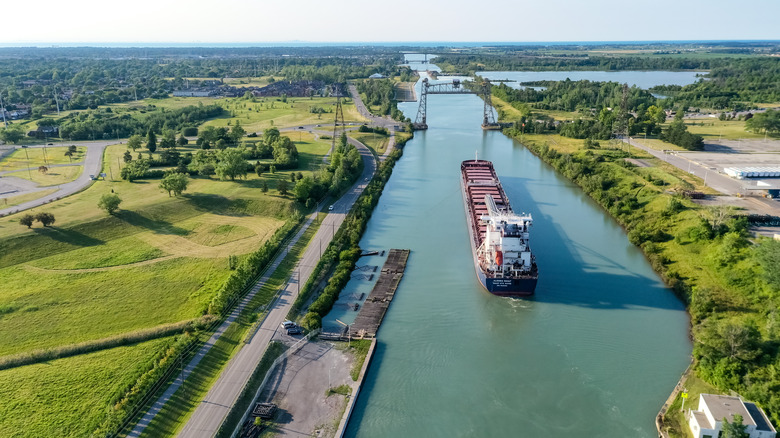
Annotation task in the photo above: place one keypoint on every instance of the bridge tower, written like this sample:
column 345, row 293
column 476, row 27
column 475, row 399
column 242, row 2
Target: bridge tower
column 488, row 118
column 420, row 122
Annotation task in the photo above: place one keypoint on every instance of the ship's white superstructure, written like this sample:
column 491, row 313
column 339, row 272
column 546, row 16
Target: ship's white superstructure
column 506, row 251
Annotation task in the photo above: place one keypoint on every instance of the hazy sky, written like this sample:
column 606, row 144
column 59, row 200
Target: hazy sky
column 197, row 21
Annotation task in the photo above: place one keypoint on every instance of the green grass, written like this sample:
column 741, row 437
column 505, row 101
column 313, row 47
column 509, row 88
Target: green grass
column 174, row 415
column 34, row 157
column 376, row 142
column 122, row 251
column 714, row 129
column 213, row 235
column 54, row 176
column 344, row 390
column 20, row 199
column 69, row 397
column 359, row 348
column 52, row 309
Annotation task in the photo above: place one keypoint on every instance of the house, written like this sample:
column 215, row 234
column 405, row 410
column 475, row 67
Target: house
column 195, row 93
column 707, row 422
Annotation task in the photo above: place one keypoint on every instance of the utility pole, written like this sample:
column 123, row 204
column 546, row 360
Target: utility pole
column 2, row 110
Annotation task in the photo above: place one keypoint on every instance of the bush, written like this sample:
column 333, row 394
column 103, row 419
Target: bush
column 189, row 131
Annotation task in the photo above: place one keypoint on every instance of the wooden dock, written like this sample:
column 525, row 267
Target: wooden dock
column 373, row 311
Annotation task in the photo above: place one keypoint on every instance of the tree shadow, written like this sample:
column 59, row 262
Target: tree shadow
column 156, row 225
column 211, row 203
column 68, row 236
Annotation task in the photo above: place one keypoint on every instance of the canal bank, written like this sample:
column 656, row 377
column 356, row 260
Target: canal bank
column 595, row 353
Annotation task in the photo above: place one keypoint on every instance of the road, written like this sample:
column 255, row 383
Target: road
column 93, row 161
column 213, row 409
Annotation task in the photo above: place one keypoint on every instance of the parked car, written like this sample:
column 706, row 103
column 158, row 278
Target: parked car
column 294, row 330
column 330, row 208
column 286, row 324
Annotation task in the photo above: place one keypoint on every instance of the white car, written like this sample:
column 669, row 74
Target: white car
column 330, row 208
column 286, row 324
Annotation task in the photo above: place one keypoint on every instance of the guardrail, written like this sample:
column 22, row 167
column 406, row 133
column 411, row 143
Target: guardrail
column 290, row 351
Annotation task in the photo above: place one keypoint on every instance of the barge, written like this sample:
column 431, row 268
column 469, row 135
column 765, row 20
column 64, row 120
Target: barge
column 499, row 238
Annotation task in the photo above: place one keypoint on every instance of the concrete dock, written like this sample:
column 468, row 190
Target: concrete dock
column 373, row 311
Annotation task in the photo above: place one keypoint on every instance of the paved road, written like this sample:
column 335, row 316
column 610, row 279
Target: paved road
column 213, row 409
column 92, row 165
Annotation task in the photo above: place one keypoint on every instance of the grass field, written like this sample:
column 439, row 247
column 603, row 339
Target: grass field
column 53, row 176
column 714, row 129
column 376, row 142
column 69, row 397
column 19, row 199
column 18, row 159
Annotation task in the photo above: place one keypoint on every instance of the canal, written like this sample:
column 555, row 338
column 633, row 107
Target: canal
column 594, row 353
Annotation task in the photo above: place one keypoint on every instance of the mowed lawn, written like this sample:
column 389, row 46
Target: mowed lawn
column 24, row 158
column 70, row 397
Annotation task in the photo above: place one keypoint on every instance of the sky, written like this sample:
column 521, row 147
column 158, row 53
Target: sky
column 258, row 21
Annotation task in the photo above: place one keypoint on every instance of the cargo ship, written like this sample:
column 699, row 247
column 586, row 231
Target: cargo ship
column 499, row 237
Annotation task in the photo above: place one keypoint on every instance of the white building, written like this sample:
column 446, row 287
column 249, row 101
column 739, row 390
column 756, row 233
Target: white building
column 707, row 422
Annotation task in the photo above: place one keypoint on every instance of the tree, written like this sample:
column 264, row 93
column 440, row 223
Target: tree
column 70, row 152
column 168, row 140
column 230, row 164
column 175, row 183
column 735, row 429
column 282, row 187
column 127, row 157
column 237, row 132
column 134, row 142
column 303, row 190
column 134, row 170
column 270, row 135
column 768, row 255
column 182, row 141
column 151, row 141
column 44, row 218
column 12, row 134
column 264, row 186
column 109, row 202
column 27, row 220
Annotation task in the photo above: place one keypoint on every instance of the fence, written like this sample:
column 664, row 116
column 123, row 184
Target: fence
column 290, row 351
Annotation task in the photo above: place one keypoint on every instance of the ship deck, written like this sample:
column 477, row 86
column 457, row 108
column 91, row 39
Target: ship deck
column 480, row 179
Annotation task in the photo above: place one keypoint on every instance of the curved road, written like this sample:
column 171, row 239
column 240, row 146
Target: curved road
column 213, row 409
column 92, row 164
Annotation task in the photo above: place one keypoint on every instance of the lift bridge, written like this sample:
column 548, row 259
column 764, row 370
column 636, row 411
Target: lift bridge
column 480, row 88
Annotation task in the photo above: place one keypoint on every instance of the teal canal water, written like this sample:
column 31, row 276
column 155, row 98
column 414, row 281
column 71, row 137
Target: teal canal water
column 594, row 354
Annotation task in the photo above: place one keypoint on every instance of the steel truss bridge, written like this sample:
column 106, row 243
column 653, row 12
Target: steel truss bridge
column 481, row 88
